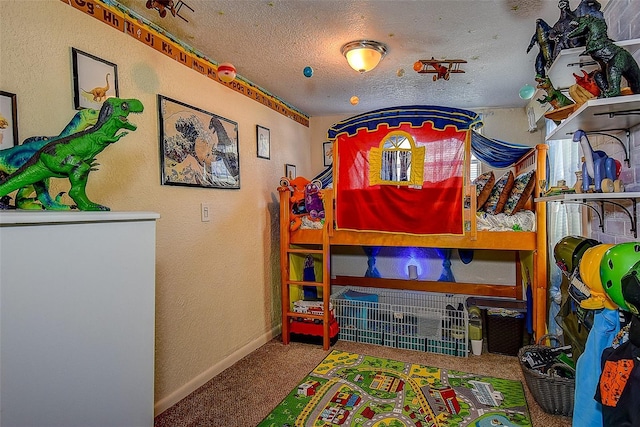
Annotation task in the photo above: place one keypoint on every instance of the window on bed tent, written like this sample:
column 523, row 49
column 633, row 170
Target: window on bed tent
column 396, row 159
column 392, row 161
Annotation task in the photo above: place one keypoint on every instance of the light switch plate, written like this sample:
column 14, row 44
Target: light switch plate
column 205, row 212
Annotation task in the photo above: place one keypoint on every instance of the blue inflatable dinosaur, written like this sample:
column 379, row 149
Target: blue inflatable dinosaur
column 597, row 165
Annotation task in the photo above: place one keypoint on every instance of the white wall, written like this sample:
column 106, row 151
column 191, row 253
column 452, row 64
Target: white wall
column 217, row 282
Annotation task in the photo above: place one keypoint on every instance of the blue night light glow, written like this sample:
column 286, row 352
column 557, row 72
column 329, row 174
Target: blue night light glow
column 411, row 256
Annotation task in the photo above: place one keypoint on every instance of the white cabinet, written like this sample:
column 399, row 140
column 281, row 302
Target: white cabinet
column 77, row 305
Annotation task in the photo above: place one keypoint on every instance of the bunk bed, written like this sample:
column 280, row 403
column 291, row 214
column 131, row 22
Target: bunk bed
column 380, row 197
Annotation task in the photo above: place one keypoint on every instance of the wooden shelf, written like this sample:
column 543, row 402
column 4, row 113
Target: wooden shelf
column 570, row 61
column 604, row 114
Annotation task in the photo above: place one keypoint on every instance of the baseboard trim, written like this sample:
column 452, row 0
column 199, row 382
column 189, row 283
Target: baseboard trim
column 173, row 398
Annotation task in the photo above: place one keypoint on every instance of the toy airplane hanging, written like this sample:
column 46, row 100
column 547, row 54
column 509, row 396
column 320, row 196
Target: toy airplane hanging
column 442, row 68
column 163, row 5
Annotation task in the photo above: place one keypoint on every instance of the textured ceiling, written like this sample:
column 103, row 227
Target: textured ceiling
column 271, row 42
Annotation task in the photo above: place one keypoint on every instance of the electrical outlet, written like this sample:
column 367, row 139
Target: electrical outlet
column 205, row 212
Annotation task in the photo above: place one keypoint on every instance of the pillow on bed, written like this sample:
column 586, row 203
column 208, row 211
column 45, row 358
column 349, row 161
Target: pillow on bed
column 484, row 184
column 499, row 194
column 520, row 192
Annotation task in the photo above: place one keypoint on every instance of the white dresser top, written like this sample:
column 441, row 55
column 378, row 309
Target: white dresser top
column 18, row 217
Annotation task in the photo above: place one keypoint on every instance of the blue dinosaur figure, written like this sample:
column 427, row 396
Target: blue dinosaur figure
column 560, row 30
column 546, row 45
column 11, row 159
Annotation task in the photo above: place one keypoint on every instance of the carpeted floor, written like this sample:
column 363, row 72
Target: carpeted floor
column 244, row 394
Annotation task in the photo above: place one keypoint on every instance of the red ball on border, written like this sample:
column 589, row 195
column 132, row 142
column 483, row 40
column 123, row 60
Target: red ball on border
column 226, row 72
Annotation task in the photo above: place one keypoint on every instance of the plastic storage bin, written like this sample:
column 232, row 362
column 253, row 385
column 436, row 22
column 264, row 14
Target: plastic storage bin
column 423, row 321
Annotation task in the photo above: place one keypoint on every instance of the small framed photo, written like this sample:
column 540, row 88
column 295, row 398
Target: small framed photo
column 264, row 142
column 290, row 171
column 94, row 80
column 327, row 153
column 8, row 120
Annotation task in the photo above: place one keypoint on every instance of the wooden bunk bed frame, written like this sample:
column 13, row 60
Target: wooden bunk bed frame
column 320, row 241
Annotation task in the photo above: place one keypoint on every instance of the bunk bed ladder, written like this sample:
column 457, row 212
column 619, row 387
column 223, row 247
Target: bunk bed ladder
column 315, row 247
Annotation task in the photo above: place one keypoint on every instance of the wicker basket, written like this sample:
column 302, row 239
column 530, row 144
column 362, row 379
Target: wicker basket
column 554, row 394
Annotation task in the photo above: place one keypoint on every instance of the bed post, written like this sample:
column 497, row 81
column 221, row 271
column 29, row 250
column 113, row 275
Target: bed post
column 284, row 259
column 540, row 258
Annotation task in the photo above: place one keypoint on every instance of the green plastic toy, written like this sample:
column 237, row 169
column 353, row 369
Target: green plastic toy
column 73, row 157
column 12, row 159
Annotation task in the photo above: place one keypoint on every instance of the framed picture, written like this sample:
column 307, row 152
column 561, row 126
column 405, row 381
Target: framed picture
column 290, row 171
column 327, row 153
column 94, row 80
column 8, row 120
column 197, row 148
column 264, row 141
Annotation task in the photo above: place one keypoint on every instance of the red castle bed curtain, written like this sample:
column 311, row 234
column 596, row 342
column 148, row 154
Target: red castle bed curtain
column 401, row 170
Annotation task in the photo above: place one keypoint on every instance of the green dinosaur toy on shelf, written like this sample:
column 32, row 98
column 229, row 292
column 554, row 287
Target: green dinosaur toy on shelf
column 73, row 157
column 11, row 159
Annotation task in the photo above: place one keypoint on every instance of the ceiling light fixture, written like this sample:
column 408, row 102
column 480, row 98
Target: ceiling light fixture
column 364, row 55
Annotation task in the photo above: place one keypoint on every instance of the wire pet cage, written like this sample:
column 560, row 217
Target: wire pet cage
column 423, row 321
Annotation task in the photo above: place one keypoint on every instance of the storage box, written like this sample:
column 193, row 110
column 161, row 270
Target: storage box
column 423, row 321
column 312, row 332
column 505, row 333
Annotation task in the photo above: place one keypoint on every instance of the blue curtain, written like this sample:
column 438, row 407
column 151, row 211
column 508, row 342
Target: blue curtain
column 496, row 153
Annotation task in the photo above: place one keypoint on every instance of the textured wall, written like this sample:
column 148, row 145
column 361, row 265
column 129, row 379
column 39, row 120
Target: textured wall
column 623, row 21
column 217, row 282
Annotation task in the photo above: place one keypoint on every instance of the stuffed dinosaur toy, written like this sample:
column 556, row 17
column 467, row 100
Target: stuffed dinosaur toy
column 11, row 159
column 73, row 157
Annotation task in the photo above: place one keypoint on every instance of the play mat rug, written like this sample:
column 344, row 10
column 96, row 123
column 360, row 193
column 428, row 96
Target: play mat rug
column 350, row 389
